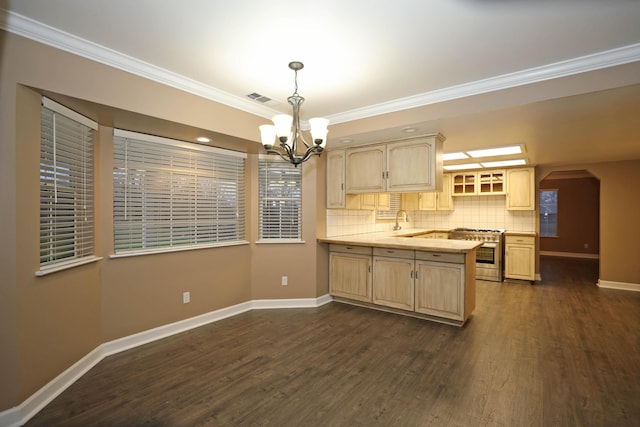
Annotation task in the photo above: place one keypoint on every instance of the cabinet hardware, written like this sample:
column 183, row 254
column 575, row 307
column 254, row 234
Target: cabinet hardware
column 436, row 255
column 411, row 274
column 416, row 275
column 342, row 186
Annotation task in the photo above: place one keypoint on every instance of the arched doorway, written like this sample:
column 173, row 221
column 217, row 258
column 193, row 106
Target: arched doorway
column 570, row 226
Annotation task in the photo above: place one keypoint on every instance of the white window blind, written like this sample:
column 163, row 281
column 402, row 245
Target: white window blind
column 395, row 202
column 174, row 194
column 280, row 199
column 66, row 187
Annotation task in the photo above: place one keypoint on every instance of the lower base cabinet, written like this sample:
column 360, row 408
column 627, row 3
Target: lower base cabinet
column 350, row 272
column 520, row 257
column 393, row 284
column 428, row 284
column 440, row 289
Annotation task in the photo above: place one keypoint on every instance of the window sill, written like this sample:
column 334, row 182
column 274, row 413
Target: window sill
column 67, row 265
column 279, row 241
column 140, row 252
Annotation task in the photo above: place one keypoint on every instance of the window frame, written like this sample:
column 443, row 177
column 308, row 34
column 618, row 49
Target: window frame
column 557, row 199
column 189, row 216
column 67, row 172
column 281, row 235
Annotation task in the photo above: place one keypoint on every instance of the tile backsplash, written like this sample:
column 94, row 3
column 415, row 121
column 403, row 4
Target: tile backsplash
column 469, row 211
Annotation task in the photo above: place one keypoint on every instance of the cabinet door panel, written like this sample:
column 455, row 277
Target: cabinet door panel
column 520, row 261
column 365, row 169
column 335, row 180
column 411, row 166
column 349, row 276
column 521, row 189
column 393, row 282
column 440, row 289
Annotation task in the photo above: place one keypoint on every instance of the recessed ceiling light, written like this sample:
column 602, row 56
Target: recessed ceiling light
column 203, row 139
column 502, row 163
column 454, row 156
column 498, row 151
column 409, row 129
column 346, row 140
column 464, row 166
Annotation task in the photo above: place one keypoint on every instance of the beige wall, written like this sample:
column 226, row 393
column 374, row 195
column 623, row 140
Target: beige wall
column 48, row 323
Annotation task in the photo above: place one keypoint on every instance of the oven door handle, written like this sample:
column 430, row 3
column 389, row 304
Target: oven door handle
column 489, row 245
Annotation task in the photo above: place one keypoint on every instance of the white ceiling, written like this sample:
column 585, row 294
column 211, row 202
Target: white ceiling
column 368, row 57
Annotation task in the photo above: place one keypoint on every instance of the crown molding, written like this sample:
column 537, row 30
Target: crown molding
column 42, row 33
column 37, row 31
column 597, row 61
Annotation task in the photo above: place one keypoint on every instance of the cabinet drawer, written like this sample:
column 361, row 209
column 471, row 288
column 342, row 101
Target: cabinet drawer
column 362, row 250
column 394, row 253
column 440, row 257
column 520, row 240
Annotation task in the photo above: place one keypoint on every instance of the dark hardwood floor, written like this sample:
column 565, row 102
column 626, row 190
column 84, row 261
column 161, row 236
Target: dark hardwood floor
column 560, row 353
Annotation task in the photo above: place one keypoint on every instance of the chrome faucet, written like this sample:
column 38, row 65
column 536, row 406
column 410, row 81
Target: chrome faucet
column 406, row 218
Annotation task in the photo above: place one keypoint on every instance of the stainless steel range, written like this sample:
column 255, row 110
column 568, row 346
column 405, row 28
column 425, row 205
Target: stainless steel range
column 489, row 256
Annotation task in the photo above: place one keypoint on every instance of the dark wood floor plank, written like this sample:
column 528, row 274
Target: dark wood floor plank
column 560, row 353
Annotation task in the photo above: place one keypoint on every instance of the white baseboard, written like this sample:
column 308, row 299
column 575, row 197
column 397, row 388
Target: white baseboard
column 607, row 284
column 570, row 255
column 22, row 413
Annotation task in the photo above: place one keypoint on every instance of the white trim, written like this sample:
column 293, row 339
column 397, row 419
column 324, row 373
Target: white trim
column 605, row 59
column 176, row 143
column 34, row 30
column 608, row 284
column 140, row 252
column 65, row 265
column 279, row 241
column 145, row 337
column 22, row 413
column 42, row 33
column 570, row 255
column 67, row 112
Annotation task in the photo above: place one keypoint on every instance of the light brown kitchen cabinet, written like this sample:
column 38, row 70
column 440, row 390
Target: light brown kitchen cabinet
column 464, row 184
column 337, row 197
column 365, row 169
column 521, row 189
column 336, row 191
column 473, row 183
column 393, row 278
column 444, row 286
column 350, row 272
column 402, row 166
column 432, row 201
column 439, row 286
column 491, row 182
column 520, row 257
column 439, row 289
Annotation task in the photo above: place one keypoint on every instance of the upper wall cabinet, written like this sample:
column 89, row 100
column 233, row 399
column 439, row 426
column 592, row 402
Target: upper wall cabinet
column 400, row 166
column 521, row 186
column 474, row 183
column 432, row 201
column 336, row 179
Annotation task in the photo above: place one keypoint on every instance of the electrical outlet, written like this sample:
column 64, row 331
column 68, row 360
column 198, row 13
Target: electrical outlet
column 285, row 280
column 186, row 297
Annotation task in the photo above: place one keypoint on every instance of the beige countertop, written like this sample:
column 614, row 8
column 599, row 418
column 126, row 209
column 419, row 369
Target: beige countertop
column 520, row 233
column 402, row 239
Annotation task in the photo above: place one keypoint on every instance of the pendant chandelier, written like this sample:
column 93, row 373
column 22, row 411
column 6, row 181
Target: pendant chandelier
column 286, row 131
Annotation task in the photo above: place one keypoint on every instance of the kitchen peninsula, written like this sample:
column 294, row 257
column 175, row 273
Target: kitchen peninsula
column 400, row 272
